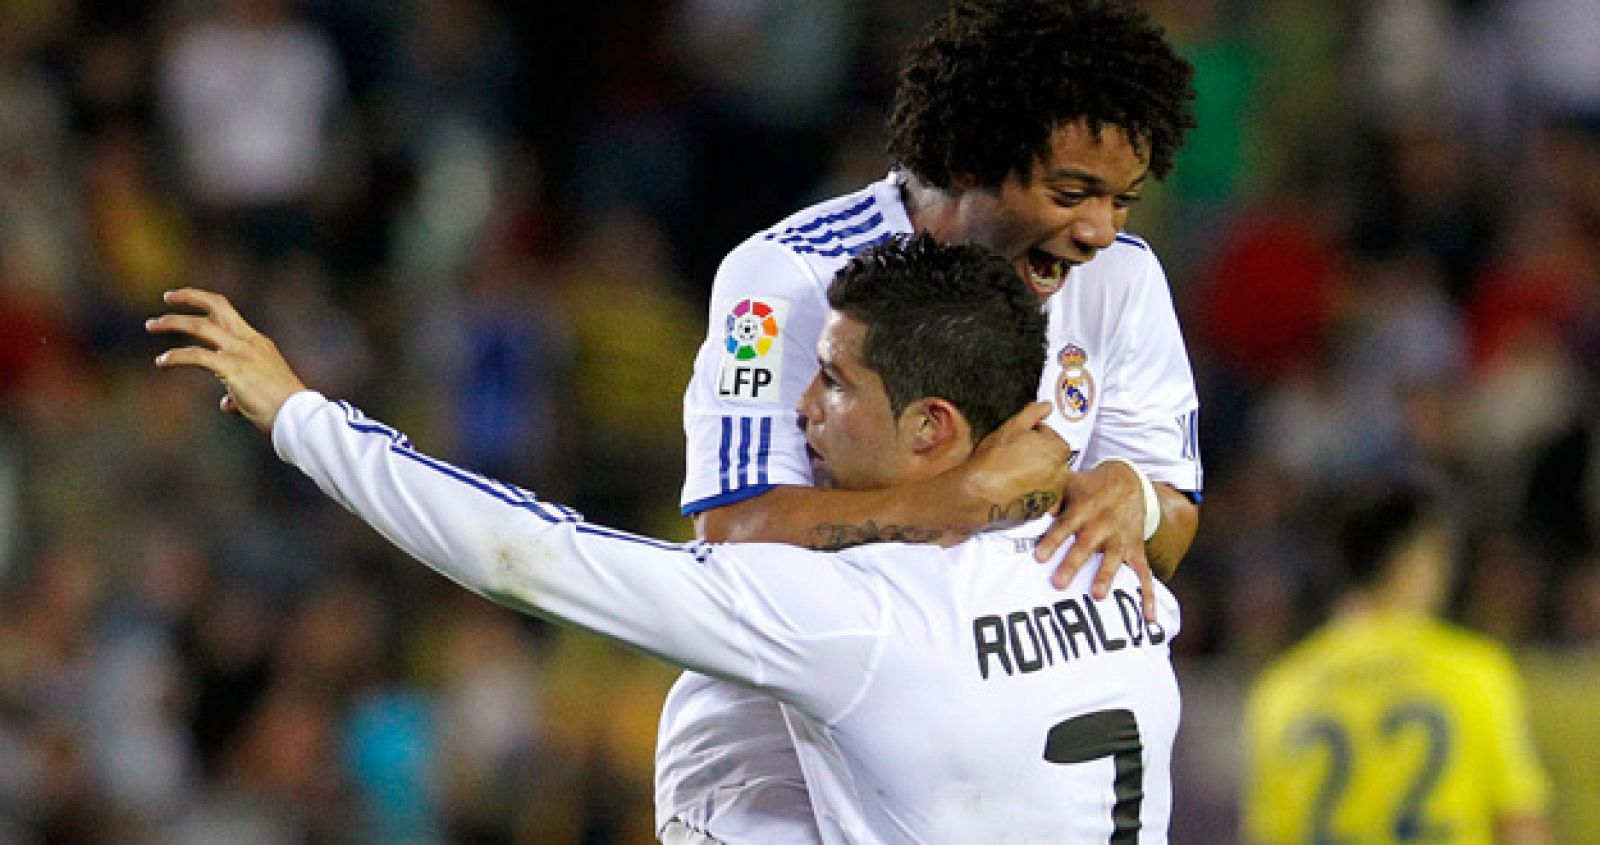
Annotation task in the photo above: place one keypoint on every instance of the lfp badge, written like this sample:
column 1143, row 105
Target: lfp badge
column 1075, row 387
column 753, row 327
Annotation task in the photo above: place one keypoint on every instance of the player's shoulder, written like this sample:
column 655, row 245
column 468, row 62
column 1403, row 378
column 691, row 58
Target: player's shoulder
column 1287, row 670
column 829, row 233
column 1301, row 665
column 1465, row 650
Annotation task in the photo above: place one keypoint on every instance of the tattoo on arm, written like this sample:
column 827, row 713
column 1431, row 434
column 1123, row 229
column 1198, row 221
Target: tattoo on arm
column 831, row 538
column 1025, row 507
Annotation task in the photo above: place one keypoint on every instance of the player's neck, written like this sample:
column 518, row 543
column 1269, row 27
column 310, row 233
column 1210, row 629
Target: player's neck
column 1379, row 602
column 931, row 209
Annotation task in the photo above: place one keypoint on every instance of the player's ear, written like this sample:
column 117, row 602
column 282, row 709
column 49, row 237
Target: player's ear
column 932, row 423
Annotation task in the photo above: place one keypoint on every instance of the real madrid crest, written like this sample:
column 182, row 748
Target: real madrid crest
column 1075, row 387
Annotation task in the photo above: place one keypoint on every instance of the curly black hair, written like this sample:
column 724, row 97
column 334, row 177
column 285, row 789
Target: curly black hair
column 982, row 91
column 948, row 320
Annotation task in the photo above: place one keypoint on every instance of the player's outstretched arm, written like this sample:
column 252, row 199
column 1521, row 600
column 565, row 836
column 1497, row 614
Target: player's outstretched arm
column 1013, row 476
column 502, row 542
column 249, row 364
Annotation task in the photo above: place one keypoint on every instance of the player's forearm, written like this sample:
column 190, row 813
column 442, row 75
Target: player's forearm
column 943, row 510
column 506, row 545
column 443, row 516
column 1180, row 519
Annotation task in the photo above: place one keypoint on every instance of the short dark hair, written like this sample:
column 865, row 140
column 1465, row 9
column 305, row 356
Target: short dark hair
column 948, row 320
column 982, row 91
column 1377, row 520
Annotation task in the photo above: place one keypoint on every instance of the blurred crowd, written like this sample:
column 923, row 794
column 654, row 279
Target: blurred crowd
column 494, row 225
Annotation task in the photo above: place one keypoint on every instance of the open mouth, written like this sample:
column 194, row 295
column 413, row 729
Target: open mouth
column 1047, row 272
column 821, row 476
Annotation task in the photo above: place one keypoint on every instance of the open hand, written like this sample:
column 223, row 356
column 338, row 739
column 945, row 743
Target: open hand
column 1104, row 509
column 257, row 377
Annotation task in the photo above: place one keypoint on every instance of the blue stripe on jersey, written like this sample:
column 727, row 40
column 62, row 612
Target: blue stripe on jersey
column 744, row 450
column 765, row 451
column 509, row 493
column 546, row 511
column 739, row 448
column 1189, row 425
column 825, row 220
column 831, row 235
column 360, row 422
column 723, row 456
column 1132, row 240
column 700, row 550
column 732, row 497
column 851, row 250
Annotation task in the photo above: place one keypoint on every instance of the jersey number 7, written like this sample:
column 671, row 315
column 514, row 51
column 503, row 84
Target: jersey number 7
column 1106, row 733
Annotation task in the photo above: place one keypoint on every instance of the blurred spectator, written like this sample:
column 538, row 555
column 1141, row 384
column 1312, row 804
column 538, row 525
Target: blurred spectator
column 492, row 761
column 1219, row 166
column 768, row 74
column 140, row 236
column 1562, row 502
column 250, row 91
column 631, row 325
column 457, row 71
column 638, row 150
column 1558, row 73
column 1266, row 304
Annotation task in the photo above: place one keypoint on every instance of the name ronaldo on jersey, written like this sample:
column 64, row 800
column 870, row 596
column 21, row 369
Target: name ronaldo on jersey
column 1029, row 640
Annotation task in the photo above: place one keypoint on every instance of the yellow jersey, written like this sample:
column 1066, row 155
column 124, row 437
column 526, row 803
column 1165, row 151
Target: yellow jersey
column 1388, row 728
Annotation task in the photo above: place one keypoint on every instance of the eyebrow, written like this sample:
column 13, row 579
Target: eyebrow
column 834, row 370
column 1094, row 180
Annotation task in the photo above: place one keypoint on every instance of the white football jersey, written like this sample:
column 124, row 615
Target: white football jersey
column 936, row 695
column 1118, row 375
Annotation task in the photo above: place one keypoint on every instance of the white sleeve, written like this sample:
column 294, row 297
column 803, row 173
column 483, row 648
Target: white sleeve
column 802, row 625
column 760, row 353
column 1150, row 409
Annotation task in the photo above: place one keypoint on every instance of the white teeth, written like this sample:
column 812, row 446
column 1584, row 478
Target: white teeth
column 1056, row 275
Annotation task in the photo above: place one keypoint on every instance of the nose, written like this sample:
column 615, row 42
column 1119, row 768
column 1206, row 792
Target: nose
column 1096, row 227
column 807, row 405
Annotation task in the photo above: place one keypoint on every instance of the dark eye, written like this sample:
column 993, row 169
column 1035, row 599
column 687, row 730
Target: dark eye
column 1128, row 200
column 1070, row 199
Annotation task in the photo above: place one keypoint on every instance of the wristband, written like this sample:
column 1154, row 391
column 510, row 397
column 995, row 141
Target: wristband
column 1152, row 505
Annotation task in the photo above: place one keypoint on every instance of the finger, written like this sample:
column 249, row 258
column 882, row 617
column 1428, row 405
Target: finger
column 200, row 328
column 207, row 302
column 1067, row 524
column 1111, row 561
column 191, row 356
column 1053, row 539
column 1147, row 584
column 1074, row 560
column 1031, row 415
